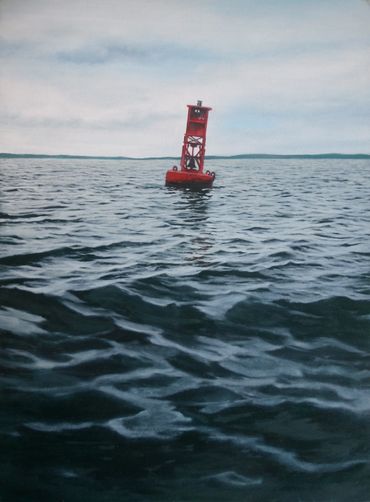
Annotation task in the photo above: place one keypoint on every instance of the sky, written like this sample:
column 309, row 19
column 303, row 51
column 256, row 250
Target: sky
column 113, row 77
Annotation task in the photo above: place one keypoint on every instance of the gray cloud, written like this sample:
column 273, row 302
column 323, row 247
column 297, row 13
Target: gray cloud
column 136, row 121
column 102, row 54
column 154, row 54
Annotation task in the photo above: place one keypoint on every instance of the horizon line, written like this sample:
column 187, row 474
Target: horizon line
column 177, row 157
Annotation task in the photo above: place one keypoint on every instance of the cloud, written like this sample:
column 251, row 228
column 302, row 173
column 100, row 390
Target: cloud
column 113, row 78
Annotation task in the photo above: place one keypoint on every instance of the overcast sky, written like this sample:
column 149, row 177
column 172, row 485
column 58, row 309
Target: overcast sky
column 113, row 77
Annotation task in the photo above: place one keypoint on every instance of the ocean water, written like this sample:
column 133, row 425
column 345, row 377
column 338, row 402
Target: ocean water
column 166, row 345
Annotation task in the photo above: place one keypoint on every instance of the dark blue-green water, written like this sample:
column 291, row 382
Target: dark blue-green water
column 166, row 345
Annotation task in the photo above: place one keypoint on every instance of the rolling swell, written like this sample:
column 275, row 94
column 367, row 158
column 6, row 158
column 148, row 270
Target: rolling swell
column 159, row 344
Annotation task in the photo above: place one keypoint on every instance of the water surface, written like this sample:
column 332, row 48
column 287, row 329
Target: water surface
column 163, row 344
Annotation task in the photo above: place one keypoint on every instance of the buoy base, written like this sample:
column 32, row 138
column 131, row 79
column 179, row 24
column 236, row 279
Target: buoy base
column 189, row 179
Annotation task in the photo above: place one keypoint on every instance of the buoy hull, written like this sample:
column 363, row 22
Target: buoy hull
column 189, row 178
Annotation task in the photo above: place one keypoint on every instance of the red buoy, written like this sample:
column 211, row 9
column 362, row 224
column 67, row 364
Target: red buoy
column 190, row 173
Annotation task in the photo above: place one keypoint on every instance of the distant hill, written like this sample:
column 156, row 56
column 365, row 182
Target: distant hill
column 241, row 156
column 45, row 156
column 303, row 156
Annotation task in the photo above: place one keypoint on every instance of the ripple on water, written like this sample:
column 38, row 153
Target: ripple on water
column 157, row 343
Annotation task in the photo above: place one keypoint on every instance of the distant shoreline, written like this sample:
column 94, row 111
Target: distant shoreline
column 211, row 157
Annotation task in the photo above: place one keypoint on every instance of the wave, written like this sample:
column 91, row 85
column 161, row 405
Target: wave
column 164, row 345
